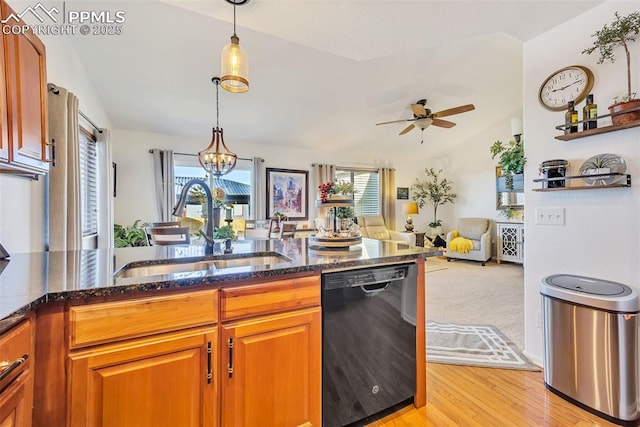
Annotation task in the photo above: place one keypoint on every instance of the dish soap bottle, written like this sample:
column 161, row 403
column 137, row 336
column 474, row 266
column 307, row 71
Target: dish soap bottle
column 590, row 114
column 571, row 119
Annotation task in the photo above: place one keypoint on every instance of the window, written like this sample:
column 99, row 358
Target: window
column 367, row 185
column 88, row 185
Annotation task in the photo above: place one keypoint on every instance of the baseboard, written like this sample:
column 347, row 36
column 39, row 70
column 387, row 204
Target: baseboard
column 534, row 358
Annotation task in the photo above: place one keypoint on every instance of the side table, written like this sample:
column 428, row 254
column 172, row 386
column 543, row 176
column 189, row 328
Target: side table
column 419, row 238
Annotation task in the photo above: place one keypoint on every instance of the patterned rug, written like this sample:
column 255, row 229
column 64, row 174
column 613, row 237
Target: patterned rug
column 473, row 345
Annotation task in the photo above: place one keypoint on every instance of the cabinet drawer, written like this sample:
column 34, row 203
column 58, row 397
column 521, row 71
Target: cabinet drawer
column 271, row 297
column 16, row 343
column 104, row 322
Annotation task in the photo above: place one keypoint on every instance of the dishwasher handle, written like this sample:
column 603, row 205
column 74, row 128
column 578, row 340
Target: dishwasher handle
column 377, row 288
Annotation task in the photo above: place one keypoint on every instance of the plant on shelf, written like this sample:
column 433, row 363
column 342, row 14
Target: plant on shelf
column 512, row 159
column 224, row 232
column 130, row 236
column 344, row 187
column 622, row 31
column 435, row 190
column 344, row 212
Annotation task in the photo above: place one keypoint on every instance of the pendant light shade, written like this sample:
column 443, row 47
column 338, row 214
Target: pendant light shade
column 217, row 159
column 234, row 67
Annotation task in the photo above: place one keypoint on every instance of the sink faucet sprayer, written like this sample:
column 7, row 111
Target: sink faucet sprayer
column 182, row 200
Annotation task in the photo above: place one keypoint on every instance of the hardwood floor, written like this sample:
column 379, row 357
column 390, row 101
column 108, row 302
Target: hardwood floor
column 471, row 396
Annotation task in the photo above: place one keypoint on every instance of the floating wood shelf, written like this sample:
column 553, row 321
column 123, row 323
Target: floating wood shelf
column 596, row 131
column 625, row 183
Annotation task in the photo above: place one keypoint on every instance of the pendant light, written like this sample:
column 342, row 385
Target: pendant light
column 217, row 159
column 234, row 62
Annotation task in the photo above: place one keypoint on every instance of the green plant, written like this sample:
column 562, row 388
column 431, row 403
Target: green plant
column 435, row 190
column 622, row 31
column 512, row 159
column 130, row 236
column 345, row 212
column 224, row 232
column 344, row 187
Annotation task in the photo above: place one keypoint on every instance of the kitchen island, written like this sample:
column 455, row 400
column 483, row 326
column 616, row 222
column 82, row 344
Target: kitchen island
column 199, row 335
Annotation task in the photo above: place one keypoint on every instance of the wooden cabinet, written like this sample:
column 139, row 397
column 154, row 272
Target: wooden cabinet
column 272, row 364
column 161, row 381
column 16, row 377
column 155, row 363
column 23, row 146
column 510, row 242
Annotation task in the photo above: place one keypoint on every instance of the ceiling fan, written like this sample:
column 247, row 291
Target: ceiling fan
column 423, row 117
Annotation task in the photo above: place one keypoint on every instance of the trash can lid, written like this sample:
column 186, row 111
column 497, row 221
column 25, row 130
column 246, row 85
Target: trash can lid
column 598, row 293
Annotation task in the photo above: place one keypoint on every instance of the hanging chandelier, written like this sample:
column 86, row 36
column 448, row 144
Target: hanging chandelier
column 217, row 159
column 234, row 62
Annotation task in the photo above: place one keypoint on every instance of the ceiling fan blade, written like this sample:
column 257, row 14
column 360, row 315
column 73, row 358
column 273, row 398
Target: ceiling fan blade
column 452, row 111
column 443, row 123
column 418, row 110
column 395, row 121
column 407, row 129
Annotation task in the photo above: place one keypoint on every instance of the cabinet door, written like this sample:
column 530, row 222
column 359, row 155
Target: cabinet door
column 27, row 97
column 15, row 405
column 168, row 381
column 272, row 371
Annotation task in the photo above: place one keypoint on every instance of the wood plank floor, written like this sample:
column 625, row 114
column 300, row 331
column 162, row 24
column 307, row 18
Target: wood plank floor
column 472, row 396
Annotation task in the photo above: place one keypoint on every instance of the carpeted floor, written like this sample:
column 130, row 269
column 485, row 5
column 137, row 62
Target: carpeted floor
column 466, row 293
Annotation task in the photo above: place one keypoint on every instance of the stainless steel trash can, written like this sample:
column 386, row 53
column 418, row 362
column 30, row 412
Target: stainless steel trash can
column 590, row 330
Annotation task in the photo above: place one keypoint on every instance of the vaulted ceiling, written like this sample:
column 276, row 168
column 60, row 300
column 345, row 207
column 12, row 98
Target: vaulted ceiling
column 322, row 72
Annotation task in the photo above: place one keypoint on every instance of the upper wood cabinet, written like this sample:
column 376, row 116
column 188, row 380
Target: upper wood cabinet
column 23, row 119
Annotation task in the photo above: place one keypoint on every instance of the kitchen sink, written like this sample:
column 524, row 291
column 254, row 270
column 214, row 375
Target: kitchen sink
column 143, row 269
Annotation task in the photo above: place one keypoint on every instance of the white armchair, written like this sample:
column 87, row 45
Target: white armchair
column 373, row 227
column 478, row 231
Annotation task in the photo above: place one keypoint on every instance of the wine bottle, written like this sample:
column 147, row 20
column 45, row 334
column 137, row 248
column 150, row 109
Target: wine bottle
column 571, row 119
column 590, row 114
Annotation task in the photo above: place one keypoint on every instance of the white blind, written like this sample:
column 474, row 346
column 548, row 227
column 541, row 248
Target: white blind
column 88, row 184
column 367, row 185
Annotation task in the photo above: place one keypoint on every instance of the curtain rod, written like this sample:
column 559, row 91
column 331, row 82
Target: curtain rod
column 54, row 90
column 195, row 155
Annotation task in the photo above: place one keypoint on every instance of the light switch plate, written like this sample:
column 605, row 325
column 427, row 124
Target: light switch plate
column 550, row 216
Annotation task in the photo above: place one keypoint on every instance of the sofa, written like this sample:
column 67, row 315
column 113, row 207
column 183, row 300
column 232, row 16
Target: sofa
column 373, row 227
column 477, row 234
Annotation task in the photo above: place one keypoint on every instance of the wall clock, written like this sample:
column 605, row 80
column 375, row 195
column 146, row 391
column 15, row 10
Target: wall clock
column 571, row 83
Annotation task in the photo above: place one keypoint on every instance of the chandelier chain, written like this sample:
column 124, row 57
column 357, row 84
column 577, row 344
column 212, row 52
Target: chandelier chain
column 217, row 106
column 234, row 18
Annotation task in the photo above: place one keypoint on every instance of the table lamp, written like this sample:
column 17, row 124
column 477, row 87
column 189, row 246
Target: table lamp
column 409, row 209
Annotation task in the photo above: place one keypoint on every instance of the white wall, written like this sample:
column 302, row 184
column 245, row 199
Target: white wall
column 22, row 215
column 601, row 233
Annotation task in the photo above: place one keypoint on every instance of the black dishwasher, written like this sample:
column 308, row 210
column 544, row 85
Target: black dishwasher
column 368, row 342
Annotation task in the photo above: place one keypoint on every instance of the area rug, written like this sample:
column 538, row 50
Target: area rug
column 473, row 345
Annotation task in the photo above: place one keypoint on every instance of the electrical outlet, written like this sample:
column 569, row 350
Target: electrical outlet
column 550, row 216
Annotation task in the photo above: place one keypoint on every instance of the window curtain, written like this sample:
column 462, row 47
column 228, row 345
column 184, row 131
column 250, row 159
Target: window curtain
column 105, row 189
column 65, row 228
column 164, row 183
column 388, row 196
column 258, row 203
column 321, row 173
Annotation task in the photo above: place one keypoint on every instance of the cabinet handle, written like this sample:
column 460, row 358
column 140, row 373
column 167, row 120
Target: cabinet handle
column 52, row 144
column 209, row 367
column 11, row 371
column 230, row 365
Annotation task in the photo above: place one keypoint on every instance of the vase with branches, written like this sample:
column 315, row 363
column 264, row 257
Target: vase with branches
column 435, row 190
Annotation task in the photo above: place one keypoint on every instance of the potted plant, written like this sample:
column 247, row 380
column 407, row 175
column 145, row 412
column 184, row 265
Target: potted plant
column 621, row 32
column 225, row 232
column 511, row 161
column 130, row 236
column 436, row 191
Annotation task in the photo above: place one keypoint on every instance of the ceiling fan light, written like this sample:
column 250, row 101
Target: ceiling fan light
column 424, row 122
column 234, row 67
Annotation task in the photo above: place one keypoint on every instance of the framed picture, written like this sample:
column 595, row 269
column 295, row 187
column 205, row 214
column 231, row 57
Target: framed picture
column 402, row 193
column 288, row 193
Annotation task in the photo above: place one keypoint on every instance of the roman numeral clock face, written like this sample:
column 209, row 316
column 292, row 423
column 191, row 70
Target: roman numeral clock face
column 572, row 83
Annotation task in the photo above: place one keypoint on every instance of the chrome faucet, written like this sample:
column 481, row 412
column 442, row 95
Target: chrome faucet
column 179, row 208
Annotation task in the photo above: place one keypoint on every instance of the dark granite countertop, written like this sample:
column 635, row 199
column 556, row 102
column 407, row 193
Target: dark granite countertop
column 31, row 279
